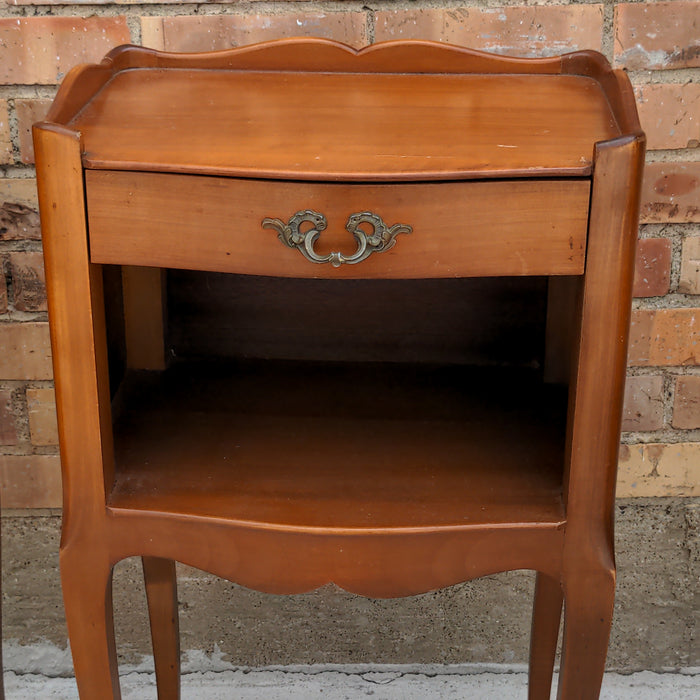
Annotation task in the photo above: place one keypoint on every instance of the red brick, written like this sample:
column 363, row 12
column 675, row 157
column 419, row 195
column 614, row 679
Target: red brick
column 212, row 32
column 657, row 469
column 41, row 406
column 689, row 282
column 8, row 431
column 28, row 281
column 5, row 141
column 686, row 405
column 671, row 193
column 18, row 221
column 533, row 30
column 41, row 50
column 652, row 272
column 30, row 481
column 28, row 112
column 644, row 404
column 120, row 2
column 657, row 35
column 25, row 351
column 18, row 192
column 19, row 217
column 109, row 2
column 3, row 290
column 670, row 114
column 664, row 337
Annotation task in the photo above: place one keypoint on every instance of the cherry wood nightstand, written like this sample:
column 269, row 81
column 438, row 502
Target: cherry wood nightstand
column 360, row 183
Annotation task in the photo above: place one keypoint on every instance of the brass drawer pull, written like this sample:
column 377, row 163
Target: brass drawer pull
column 382, row 237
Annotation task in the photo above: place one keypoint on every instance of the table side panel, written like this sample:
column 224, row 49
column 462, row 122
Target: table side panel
column 459, row 229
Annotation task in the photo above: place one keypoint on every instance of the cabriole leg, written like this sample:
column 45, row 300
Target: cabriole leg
column 87, row 595
column 546, row 617
column 161, row 593
column 588, row 611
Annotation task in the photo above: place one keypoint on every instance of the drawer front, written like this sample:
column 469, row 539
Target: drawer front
column 449, row 229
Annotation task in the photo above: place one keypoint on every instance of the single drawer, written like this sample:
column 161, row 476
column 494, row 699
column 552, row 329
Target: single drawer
column 447, row 229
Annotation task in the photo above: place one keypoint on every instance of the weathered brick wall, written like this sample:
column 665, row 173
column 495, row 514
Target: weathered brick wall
column 657, row 42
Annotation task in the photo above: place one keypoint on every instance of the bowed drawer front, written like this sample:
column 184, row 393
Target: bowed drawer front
column 483, row 228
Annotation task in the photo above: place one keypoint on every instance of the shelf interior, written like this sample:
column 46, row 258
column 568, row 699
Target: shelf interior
column 346, row 446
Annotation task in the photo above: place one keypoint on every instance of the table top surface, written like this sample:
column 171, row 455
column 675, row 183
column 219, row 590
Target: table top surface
column 345, row 126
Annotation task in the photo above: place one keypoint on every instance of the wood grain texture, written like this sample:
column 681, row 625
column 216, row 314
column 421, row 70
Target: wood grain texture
column 300, row 55
column 546, row 618
column 459, row 229
column 144, row 317
column 472, row 321
column 317, row 55
column 562, row 297
column 328, row 126
column 604, row 329
column 596, row 414
column 374, row 564
column 342, row 447
column 161, row 592
column 86, row 582
column 78, row 87
column 614, row 83
column 76, row 313
column 384, row 479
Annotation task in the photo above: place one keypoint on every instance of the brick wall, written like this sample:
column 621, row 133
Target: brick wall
column 657, row 42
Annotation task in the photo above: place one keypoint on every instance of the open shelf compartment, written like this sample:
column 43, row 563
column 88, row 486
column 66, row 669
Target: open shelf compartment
column 341, row 446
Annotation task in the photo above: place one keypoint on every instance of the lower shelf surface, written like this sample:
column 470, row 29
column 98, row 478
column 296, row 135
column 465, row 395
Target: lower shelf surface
column 342, row 447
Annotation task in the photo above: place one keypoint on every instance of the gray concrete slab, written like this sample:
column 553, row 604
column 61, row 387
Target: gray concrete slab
column 349, row 683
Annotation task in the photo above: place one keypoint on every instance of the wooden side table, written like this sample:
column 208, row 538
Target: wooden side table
column 305, row 159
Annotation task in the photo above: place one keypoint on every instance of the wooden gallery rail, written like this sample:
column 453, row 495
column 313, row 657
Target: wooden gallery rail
column 333, row 438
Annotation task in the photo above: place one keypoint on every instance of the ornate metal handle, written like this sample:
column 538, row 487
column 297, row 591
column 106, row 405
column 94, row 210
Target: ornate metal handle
column 382, row 237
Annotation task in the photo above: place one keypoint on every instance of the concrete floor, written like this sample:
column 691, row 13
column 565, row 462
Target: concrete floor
column 350, row 682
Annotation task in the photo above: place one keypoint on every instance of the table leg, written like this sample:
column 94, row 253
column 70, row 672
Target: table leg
column 588, row 611
column 161, row 593
column 546, row 617
column 87, row 595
